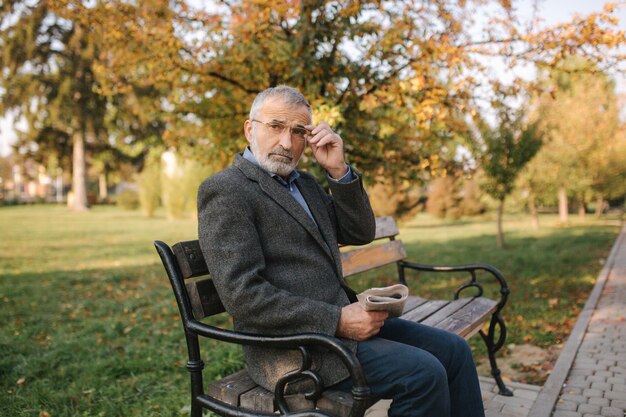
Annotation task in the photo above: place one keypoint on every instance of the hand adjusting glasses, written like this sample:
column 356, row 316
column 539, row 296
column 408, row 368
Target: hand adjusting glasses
column 278, row 128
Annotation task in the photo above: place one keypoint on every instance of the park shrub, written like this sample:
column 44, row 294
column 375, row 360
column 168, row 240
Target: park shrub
column 443, row 198
column 383, row 200
column 401, row 200
column 128, row 200
column 171, row 180
column 180, row 181
column 471, row 198
column 195, row 173
column 452, row 197
column 149, row 181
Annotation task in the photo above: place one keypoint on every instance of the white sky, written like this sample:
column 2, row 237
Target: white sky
column 551, row 11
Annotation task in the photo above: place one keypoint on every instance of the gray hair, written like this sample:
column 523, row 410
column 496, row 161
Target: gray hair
column 289, row 95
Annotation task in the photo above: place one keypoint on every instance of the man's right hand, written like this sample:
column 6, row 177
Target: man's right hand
column 358, row 324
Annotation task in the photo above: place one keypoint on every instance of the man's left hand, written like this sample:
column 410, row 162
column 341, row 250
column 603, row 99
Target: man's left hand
column 327, row 146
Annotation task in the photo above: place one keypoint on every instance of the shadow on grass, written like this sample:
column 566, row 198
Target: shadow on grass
column 96, row 342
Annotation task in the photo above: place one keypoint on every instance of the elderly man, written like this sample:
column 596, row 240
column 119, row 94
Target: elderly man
column 270, row 236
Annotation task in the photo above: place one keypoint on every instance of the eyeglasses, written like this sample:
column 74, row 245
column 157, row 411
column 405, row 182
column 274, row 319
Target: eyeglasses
column 278, row 128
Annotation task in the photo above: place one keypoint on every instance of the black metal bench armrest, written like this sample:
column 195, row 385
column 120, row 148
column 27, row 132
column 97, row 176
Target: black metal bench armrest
column 471, row 268
column 360, row 390
column 493, row 343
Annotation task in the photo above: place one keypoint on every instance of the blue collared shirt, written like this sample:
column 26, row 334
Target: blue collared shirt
column 291, row 186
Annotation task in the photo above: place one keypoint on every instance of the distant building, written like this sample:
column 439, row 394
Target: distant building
column 30, row 182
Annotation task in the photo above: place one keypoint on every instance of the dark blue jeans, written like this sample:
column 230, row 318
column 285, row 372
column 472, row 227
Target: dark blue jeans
column 427, row 372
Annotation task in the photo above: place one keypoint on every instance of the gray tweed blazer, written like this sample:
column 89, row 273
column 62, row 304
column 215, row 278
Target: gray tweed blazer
column 276, row 272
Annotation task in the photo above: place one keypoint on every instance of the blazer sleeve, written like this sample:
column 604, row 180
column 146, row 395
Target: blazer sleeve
column 232, row 249
column 355, row 221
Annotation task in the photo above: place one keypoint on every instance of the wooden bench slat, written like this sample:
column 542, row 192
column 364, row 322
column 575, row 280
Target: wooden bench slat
column 468, row 320
column 412, row 302
column 297, row 402
column 359, row 260
column 230, row 388
column 385, row 227
column 257, row 399
column 425, row 310
column 190, row 259
column 337, row 403
column 446, row 311
column 204, row 299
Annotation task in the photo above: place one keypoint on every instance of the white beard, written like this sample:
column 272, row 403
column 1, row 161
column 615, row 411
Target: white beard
column 272, row 163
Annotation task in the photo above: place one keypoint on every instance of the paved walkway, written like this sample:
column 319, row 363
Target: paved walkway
column 589, row 378
column 518, row 405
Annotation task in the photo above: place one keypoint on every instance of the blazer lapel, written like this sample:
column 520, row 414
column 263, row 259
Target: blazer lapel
column 277, row 193
column 308, row 189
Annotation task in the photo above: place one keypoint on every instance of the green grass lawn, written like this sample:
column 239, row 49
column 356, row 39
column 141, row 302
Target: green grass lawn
column 89, row 327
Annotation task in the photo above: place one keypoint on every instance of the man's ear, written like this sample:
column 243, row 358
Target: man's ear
column 247, row 130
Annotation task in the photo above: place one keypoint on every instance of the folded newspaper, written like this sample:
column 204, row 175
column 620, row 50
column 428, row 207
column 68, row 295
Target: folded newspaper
column 391, row 299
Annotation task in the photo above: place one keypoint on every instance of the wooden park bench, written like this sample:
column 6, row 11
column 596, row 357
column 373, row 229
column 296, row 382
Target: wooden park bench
column 238, row 395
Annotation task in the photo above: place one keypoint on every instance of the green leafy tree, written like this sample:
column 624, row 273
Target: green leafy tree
column 614, row 184
column 49, row 62
column 47, row 78
column 539, row 182
column 580, row 122
column 505, row 150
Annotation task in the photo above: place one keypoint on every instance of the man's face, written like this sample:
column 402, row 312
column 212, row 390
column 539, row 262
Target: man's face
column 277, row 153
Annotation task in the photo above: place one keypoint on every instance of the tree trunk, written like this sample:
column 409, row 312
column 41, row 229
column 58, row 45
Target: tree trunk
column 18, row 189
column 78, row 202
column 534, row 214
column 103, row 192
column 582, row 209
column 563, row 209
column 599, row 206
column 59, row 185
column 500, row 236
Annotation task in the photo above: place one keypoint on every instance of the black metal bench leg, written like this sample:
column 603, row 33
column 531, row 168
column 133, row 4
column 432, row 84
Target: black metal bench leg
column 196, row 409
column 195, row 369
column 492, row 347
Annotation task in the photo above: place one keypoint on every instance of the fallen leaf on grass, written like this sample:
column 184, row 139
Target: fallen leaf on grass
column 21, row 381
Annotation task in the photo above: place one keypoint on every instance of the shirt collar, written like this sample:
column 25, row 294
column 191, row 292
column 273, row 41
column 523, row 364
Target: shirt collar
column 247, row 154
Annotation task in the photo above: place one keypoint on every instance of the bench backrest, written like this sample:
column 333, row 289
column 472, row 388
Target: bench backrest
column 203, row 296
